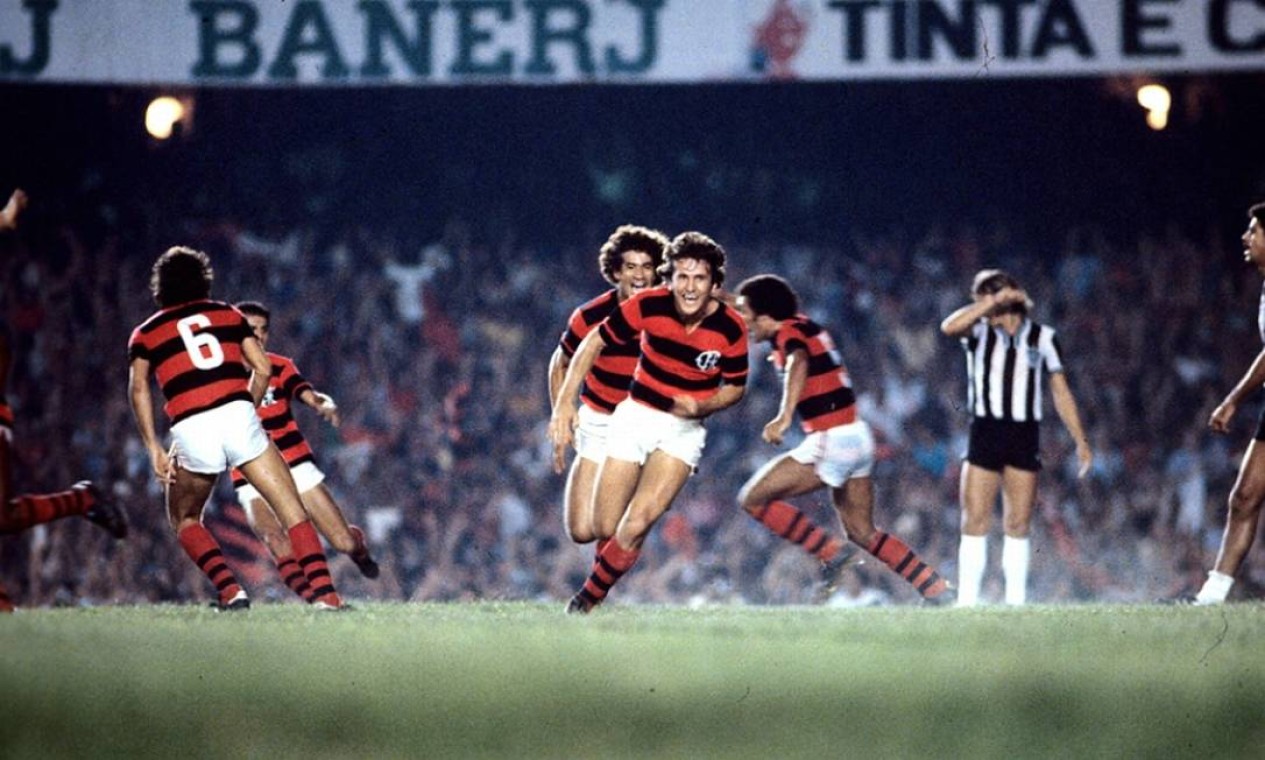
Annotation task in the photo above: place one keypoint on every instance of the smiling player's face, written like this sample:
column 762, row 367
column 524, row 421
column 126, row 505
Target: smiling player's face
column 691, row 287
column 635, row 273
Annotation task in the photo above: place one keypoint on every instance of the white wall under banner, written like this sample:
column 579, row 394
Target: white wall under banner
column 421, row 42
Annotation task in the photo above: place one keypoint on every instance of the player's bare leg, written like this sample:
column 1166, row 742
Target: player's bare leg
column 650, row 493
column 763, row 497
column 616, row 482
column 1242, row 517
column 578, row 500
column 187, row 494
column 269, row 530
column 978, row 496
column 1018, row 494
column 854, row 501
column 271, row 477
column 330, row 521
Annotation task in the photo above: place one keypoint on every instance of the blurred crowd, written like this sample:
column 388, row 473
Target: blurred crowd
column 436, row 352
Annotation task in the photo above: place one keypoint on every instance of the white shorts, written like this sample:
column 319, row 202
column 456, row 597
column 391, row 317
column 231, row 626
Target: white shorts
column 590, row 434
column 838, row 454
column 636, row 430
column 213, row 441
column 306, row 477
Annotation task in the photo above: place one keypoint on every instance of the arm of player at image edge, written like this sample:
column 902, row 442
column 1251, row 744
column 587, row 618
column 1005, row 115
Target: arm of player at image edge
column 143, row 411
column 1219, row 421
column 563, row 420
column 1065, row 405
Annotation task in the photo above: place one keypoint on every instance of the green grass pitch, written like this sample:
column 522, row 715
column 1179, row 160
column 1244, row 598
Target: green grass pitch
column 524, row 680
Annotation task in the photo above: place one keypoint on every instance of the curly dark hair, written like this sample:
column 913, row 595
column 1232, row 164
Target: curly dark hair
column 630, row 237
column 181, row 275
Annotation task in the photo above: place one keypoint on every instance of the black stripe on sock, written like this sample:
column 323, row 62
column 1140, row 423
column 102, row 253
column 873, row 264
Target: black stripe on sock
column 905, row 562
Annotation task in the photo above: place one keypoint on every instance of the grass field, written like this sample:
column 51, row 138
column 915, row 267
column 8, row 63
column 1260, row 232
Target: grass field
column 524, row 680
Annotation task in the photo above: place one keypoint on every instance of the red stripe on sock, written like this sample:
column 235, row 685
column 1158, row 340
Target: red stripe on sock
column 308, row 552
column 198, row 542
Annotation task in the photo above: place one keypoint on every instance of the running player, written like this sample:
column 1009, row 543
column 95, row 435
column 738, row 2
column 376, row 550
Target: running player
column 1006, row 353
column 17, row 513
column 212, row 372
column 693, row 364
column 838, row 451
column 628, row 260
column 1244, row 508
column 286, row 385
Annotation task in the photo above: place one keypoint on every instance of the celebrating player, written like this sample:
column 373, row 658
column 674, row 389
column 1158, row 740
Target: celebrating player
column 213, row 372
column 285, row 385
column 693, row 364
column 628, row 261
column 1244, row 508
column 838, row 451
column 17, row 513
column 1005, row 355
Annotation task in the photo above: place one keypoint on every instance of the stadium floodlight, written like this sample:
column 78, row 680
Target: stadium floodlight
column 1155, row 98
column 162, row 115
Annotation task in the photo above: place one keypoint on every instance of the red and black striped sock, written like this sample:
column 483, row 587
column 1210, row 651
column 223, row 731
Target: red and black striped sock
column 611, row 564
column 34, row 509
column 308, row 552
column 6, row 604
column 795, row 526
column 294, row 578
column 897, row 555
column 205, row 552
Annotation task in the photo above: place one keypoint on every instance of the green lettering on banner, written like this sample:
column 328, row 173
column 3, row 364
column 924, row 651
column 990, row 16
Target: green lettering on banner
column 470, row 36
column 41, row 42
column 649, row 35
column 542, row 34
column 212, row 37
column 1134, row 21
column 381, row 23
column 1061, row 26
column 1219, row 29
column 308, row 14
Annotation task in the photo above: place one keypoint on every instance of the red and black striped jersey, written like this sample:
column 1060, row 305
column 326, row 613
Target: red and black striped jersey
column 275, row 413
column 827, row 399
column 607, row 382
column 674, row 361
column 195, row 350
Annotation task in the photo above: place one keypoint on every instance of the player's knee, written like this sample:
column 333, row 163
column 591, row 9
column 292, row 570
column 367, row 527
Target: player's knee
column 1245, row 502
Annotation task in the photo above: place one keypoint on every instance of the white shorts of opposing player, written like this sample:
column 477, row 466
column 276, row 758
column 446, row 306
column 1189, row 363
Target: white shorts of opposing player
column 219, row 439
column 636, row 430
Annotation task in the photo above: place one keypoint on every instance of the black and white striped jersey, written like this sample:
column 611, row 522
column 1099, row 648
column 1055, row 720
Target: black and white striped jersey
column 1005, row 373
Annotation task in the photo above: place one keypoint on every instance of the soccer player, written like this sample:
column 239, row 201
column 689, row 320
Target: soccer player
column 17, row 513
column 1006, row 355
column 212, row 372
column 838, row 451
column 693, row 364
column 285, row 385
column 1244, row 508
column 628, row 260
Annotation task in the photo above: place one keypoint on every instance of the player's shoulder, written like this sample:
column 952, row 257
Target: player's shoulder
column 728, row 321
column 280, row 360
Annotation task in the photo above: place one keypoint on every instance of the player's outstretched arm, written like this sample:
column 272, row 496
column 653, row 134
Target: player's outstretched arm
column 1251, row 380
column 143, row 412
column 323, row 404
column 13, row 209
column 792, row 390
column 564, row 419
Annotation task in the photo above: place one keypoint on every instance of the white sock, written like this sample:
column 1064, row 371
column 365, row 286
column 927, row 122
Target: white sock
column 972, row 557
column 1016, row 553
column 1215, row 589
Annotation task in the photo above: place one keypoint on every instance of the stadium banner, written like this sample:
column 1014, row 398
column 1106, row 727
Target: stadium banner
column 452, row 42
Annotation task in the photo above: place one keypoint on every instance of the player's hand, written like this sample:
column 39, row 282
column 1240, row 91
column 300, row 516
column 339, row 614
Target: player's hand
column 1221, row 416
column 164, row 464
column 776, row 430
column 328, row 409
column 562, row 432
column 1085, row 456
column 13, row 209
column 686, row 406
